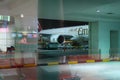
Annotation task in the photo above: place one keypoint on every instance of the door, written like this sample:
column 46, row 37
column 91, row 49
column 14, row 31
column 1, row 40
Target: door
column 114, row 43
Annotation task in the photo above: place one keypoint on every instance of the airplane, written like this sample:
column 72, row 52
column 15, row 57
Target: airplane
column 56, row 36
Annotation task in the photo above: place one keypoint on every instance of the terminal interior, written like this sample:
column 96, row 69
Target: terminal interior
column 59, row 39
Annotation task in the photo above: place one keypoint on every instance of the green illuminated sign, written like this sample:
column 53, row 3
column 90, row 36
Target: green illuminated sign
column 4, row 18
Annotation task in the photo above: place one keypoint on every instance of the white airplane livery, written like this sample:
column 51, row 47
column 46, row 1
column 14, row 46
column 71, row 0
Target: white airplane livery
column 74, row 31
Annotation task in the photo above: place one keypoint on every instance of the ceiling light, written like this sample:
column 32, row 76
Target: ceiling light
column 98, row 11
column 21, row 15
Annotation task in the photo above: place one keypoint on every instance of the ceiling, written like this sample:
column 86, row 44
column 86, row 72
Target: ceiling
column 80, row 9
column 7, row 4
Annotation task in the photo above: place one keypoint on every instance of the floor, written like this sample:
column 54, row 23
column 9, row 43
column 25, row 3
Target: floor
column 85, row 71
column 82, row 71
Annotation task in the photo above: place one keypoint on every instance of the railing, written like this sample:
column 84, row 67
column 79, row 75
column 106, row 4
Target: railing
column 87, row 55
column 24, row 59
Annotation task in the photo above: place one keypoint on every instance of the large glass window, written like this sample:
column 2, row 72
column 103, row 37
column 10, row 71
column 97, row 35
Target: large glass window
column 59, row 39
column 18, row 39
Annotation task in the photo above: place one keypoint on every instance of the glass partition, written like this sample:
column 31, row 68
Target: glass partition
column 18, row 39
column 59, row 40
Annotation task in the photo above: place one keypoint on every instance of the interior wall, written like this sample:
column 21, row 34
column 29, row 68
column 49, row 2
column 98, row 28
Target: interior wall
column 104, row 36
column 93, row 37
